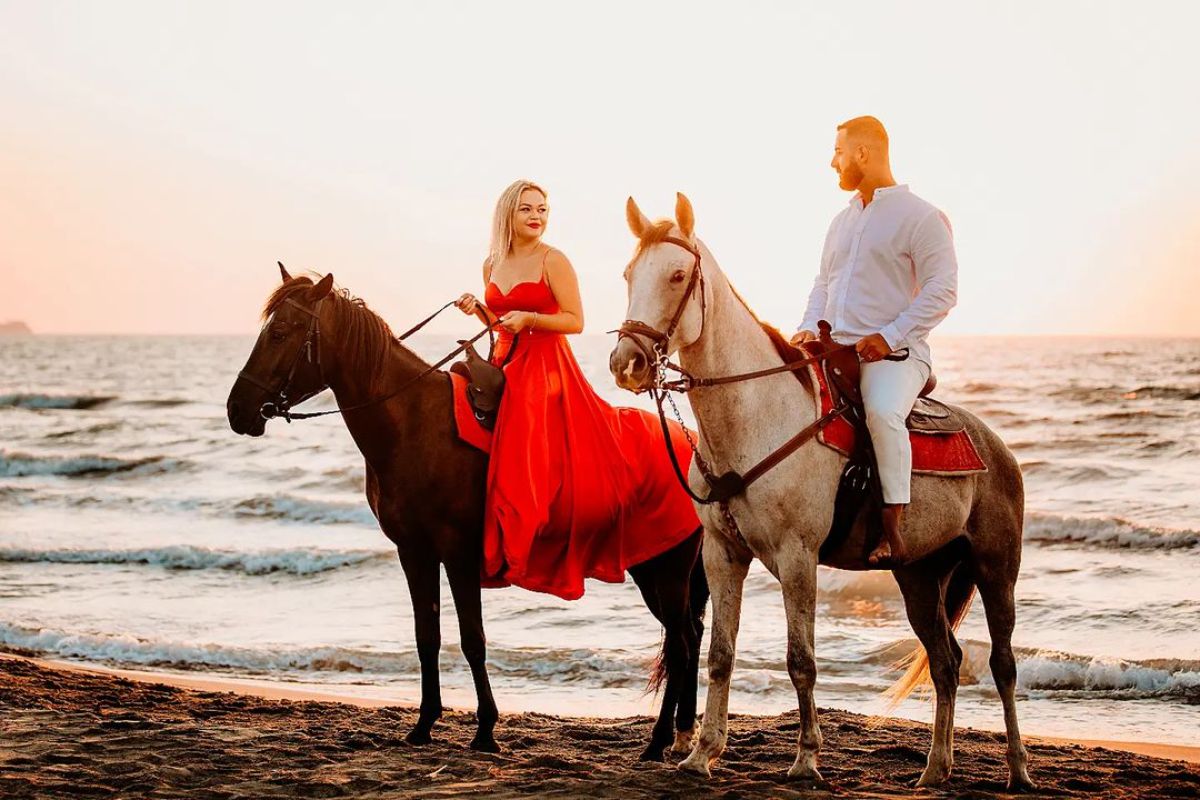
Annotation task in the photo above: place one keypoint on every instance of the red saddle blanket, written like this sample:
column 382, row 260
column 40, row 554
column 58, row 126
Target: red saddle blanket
column 951, row 454
column 469, row 429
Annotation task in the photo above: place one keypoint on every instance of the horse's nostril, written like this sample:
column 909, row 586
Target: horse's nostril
column 637, row 363
column 233, row 408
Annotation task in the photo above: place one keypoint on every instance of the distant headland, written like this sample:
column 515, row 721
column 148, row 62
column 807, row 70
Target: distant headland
column 14, row 327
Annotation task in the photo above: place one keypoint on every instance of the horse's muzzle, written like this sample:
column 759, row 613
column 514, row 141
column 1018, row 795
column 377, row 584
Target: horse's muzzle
column 245, row 420
column 629, row 366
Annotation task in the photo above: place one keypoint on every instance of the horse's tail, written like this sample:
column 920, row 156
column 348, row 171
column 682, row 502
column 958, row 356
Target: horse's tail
column 697, row 602
column 959, row 592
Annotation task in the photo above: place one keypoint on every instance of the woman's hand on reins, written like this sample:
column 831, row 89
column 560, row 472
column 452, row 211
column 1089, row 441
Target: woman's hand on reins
column 468, row 304
column 517, row 321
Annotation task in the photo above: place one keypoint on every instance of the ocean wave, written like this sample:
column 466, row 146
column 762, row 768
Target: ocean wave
column 1162, row 393
column 73, row 402
column 1073, row 473
column 167, row 402
column 1063, row 672
column 1105, row 394
column 550, row 665
column 1054, row 673
column 126, row 649
column 280, row 507
column 1107, row 532
column 295, row 509
column 978, row 387
column 339, row 479
column 102, row 427
column 186, row 557
column 19, row 465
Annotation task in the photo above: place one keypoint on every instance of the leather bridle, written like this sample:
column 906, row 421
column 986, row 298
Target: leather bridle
column 660, row 341
column 281, row 405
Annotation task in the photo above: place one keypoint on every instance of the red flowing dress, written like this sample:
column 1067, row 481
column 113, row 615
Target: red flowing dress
column 576, row 488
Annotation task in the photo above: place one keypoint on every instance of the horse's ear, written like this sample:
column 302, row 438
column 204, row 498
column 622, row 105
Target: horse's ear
column 636, row 219
column 283, row 272
column 322, row 288
column 685, row 218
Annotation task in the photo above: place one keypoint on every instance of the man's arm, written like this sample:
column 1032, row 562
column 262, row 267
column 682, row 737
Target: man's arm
column 937, row 274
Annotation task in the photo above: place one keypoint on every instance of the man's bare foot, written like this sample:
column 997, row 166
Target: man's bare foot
column 890, row 551
column 882, row 554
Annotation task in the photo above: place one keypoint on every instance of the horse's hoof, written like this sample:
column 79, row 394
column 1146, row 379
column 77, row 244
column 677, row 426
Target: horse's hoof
column 418, row 737
column 933, row 777
column 683, row 741
column 805, row 774
column 485, row 744
column 1021, row 783
column 697, row 765
column 654, row 752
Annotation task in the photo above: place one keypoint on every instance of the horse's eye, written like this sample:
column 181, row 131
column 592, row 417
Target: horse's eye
column 278, row 334
column 677, row 276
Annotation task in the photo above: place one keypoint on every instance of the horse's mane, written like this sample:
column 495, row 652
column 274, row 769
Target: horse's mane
column 783, row 347
column 366, row 338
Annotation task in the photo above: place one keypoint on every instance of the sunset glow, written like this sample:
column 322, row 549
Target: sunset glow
column 158, row 159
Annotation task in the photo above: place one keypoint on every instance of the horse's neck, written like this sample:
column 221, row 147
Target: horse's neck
column 733, row 417
column 376, row 428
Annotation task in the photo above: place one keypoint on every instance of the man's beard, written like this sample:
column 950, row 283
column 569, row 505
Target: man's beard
column 850, row 177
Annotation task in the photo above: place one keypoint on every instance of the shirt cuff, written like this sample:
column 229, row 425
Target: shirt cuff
column 807, row 325
column 892, row 336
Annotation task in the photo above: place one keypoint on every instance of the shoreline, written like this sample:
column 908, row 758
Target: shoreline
column 84, row 732
column 268, row 689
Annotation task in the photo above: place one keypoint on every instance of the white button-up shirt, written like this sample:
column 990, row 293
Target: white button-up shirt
column 888, row 268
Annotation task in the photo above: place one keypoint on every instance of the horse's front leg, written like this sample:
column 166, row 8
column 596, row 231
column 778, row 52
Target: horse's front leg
column 798, row 577
column 423, row 575
column 726, row 565
column 464, row 585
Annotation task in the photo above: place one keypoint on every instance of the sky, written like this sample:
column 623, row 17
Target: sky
column 158, row 158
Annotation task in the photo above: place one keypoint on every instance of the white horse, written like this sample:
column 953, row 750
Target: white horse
column 679, row 295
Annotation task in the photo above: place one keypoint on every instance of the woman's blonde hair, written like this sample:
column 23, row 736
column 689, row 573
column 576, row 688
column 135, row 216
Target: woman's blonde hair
column 502, row 227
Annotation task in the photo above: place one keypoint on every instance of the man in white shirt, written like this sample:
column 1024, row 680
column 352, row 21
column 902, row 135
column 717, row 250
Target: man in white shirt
column 888, row 276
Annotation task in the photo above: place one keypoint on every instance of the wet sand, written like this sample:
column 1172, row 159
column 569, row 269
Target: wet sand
column 78, row 732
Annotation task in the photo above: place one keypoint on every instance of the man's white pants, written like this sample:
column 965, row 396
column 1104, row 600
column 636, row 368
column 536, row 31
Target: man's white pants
column 889, row 389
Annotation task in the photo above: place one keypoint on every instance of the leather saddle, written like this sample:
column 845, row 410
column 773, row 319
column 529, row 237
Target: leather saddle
column 843, row 370
column 485, row 385
column 859, row 490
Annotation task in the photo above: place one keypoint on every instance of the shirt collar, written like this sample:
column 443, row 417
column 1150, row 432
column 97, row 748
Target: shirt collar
column 856, row 199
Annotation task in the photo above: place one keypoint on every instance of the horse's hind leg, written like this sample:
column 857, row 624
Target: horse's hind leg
column 924, row 588
column 423, row 577
column 996, row 590
column 665, row 593
column 685, row 716
column 464, row 585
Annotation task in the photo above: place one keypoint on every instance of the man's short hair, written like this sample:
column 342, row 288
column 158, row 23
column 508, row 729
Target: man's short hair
column 865, row 129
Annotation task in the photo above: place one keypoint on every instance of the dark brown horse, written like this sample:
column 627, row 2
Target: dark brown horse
column 426, row 489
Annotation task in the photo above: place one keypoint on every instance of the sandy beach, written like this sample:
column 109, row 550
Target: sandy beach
column 76, row 731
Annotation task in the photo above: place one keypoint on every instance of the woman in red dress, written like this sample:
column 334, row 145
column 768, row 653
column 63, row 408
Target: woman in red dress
column 576, row 488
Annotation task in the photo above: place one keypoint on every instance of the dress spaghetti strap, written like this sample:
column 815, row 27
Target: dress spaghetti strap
column 545, row 255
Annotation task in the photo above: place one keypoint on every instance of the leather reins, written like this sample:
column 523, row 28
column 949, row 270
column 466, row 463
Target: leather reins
column 281, row 406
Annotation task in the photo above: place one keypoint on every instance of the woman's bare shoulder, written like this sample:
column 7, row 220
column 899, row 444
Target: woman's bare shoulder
column 556, row 260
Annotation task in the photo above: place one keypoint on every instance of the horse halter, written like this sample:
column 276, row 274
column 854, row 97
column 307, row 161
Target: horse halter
column 661, row 340
column 280, row 406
